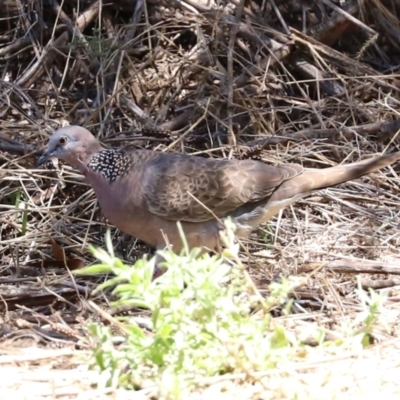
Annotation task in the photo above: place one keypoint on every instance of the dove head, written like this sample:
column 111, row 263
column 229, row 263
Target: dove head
column 72, row 144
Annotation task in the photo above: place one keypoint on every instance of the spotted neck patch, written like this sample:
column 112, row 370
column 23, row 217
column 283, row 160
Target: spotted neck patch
column 111, row 163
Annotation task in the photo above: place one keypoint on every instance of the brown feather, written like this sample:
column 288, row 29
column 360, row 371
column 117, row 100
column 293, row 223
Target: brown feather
column 173, row 182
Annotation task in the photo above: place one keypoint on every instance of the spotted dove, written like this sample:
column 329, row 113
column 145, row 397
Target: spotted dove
column 144, row 193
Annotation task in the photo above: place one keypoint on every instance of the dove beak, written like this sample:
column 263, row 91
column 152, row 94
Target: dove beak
column 44, row 157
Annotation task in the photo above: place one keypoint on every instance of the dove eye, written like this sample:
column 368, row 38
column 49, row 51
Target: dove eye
column 62, row 141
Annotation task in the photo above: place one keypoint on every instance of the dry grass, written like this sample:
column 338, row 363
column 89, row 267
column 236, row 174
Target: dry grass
column 288, row 83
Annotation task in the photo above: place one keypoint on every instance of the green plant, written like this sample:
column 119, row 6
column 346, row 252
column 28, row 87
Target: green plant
column 205, row 320
column 17, row 199
column 204, row 317
column 359, row 329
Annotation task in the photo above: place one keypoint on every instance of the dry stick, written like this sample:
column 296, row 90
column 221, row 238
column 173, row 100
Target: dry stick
column 107, row 316
column 329, row 30
column 350, row 17
column 382, row 128
column 133, row 107
column 358, row 266
column 148, row 26
column 233, row 32
column 305, row 96
column 28, row 28
column 178, row 122
column 277, row 53
column 133, row 22
column 38, row 69
column 201, row 58
column 12, row 92
column 330, row 86
column 336, row 86
column 13, row 146
column 163, row 110
column 104, row 88
column 201, row 7
column 379, row 283
column 116, row 80
column 82, row 22
column 16, row 45
column 124, row 99
column 345, row 62
column 279, row 15
column 76, row 30
column 128, row 102
column 87, row 16
column 247, row 10
column 333, row 291
column 277, row 50
column 190, row 129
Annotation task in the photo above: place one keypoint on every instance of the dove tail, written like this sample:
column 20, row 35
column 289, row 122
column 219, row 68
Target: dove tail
column 305, row 182
column 315, row 179
column 343, row 173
